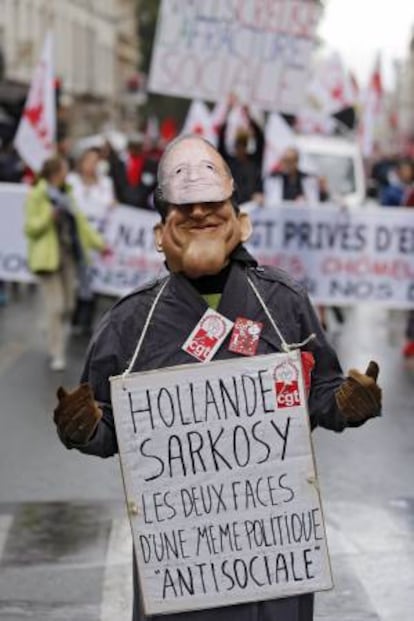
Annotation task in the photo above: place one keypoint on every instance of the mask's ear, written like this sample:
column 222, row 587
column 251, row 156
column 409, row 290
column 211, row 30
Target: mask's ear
column 246, row 228
column 158, row 235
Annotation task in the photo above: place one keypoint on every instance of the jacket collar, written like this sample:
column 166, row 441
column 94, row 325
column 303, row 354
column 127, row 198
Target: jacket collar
column 238, row 300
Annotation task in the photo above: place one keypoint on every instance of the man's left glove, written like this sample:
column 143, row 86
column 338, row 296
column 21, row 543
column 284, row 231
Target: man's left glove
column 359, row 397
column 77, row 414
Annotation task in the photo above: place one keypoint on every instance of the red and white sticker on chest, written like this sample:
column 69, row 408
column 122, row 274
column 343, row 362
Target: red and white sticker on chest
column 208, row 335
column 245, row 336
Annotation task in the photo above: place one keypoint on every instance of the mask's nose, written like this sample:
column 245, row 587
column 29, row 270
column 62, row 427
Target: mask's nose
column 198, row 210
column 193, row 174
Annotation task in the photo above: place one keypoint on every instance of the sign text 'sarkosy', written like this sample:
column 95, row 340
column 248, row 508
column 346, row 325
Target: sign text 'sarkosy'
column 218, row 465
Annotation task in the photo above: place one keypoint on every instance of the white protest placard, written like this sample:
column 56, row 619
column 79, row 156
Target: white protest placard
column 220, row 483
column 128, row 232
column 341, row 256
column 134, row 261
column 13, row 244
column 205, row 49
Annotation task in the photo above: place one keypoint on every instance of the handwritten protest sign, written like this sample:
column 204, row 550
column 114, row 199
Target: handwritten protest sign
column 259, row 50
column 220, row 483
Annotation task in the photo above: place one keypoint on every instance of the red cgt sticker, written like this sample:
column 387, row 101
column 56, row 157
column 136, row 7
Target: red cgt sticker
column 207, row 336
column 286, row 376
column 245, row 336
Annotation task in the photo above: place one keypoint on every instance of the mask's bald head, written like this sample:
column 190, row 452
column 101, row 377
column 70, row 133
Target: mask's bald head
column 200, row 226
column 192, row 171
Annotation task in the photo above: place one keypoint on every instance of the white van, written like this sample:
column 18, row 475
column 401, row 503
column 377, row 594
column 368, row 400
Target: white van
column 339, row 160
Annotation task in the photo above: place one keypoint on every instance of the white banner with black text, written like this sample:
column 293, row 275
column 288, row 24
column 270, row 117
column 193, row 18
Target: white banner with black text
column 341, row 256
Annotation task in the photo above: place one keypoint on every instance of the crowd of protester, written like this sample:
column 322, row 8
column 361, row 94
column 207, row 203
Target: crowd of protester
column 102, row 176
column 396, row 186
column 393, row 179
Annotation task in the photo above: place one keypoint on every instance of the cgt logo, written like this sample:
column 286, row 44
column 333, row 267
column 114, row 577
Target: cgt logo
column 286, row 383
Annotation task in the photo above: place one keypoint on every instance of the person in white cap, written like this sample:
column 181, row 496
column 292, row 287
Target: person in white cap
column 201, row 233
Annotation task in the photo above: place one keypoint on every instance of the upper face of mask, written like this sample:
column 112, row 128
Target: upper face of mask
column 192, row 171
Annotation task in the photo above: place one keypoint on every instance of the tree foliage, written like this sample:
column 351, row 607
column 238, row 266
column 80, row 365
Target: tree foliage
column 147, row 11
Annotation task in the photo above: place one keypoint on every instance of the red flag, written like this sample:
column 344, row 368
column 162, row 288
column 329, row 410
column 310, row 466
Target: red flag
column 168, row 129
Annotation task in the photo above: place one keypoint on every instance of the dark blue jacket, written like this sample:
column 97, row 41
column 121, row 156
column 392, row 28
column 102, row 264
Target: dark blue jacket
column 179, row 310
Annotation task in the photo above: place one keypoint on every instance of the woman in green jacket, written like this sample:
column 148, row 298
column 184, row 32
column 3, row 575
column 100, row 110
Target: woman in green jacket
column 59, row 238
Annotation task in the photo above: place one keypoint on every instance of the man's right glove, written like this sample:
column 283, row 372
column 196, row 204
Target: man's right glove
column 77, row 414
column 359, row 397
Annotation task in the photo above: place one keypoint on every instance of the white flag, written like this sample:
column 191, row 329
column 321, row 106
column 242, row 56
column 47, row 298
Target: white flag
column 279, row 136
column 35, row 135
column 199, row 121
column 310, row 121
column 330, row 89
column 372, row 110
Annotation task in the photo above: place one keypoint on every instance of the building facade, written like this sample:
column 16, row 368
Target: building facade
column 404, row 93
column 96, row 52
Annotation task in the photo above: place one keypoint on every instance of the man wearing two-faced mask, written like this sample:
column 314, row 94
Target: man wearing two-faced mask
column 201, row 234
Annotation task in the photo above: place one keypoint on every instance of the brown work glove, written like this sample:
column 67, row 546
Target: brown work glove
column 359, row 397
column 77, row 414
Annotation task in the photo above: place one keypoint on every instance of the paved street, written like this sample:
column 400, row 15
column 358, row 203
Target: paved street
column 65, row 551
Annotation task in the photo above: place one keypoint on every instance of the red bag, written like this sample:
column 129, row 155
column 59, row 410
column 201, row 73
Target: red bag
column 308, row 364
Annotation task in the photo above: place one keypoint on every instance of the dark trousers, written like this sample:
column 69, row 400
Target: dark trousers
column 409, row 330
column 84, row 313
